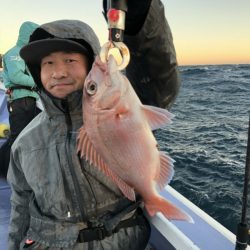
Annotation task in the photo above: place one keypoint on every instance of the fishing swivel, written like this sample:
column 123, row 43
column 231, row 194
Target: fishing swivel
column 116, row 25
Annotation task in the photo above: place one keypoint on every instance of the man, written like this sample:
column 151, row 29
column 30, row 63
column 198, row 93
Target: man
column 60, row 201
column 21, row 92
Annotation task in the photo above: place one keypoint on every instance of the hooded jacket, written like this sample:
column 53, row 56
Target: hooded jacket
column 15, row 71
column 54, row 192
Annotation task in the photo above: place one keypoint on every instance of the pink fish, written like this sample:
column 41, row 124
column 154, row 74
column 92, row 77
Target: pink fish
column 117, row 138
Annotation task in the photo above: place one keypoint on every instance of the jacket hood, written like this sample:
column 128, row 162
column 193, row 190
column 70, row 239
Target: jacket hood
column 26, row 29
column 60, row 35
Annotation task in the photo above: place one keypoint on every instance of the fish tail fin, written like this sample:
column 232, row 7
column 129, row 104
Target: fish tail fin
column 169, row 210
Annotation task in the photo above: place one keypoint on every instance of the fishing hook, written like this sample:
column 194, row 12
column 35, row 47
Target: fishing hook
column 123, row 49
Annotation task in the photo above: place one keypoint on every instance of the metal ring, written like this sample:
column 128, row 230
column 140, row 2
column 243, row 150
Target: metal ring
column 123, row 50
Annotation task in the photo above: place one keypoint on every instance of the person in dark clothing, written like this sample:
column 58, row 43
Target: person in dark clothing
column 22, row 96
column 59, row 201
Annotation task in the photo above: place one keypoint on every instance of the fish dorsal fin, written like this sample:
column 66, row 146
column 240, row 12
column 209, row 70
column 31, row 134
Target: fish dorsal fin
column 157, row 117
column 87, row 150
column 166, row 170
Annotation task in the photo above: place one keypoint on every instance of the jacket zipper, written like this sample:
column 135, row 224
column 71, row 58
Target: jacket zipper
column 68, row 157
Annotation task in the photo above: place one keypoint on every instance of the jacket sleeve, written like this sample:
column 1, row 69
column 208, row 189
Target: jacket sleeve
column 20, row 199
column 153, row 69
column 15, row 69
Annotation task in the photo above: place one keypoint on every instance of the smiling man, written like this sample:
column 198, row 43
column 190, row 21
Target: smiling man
column 59, row 201
column 63, row 73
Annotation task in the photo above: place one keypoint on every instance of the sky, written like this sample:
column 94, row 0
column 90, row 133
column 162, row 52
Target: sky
column 204, row 32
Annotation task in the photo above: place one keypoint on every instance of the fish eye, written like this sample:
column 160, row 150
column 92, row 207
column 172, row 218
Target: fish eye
column 91, row 88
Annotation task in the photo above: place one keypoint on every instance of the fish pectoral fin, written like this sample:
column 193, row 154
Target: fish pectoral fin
column 87, row 150
column 157, row 117
column 166, row 170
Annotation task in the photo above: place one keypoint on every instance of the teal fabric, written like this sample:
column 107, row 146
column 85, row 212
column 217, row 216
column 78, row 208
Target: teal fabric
column 15, row 71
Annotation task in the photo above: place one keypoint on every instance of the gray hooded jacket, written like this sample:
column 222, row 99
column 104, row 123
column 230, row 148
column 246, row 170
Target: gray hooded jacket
column 54, row 193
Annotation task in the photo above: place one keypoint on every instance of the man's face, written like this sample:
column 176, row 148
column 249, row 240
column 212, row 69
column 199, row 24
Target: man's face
column 63, row 73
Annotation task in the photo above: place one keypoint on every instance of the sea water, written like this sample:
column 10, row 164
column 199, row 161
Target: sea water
column 208, row 139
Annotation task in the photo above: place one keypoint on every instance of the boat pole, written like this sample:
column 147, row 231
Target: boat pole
column 242, row 230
